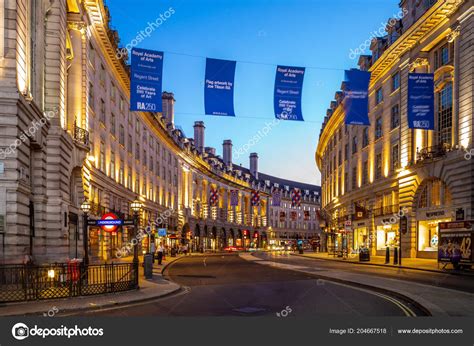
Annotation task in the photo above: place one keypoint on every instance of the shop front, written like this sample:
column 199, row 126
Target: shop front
column 427, row 231
column 359, row 237
column 386, row 234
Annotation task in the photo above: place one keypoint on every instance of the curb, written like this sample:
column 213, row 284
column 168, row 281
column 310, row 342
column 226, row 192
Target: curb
column 387, row 265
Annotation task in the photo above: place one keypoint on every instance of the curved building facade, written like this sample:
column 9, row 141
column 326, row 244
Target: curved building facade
column 90, row 147
column 372, row 176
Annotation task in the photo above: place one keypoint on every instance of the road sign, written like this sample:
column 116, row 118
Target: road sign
column 109, row 222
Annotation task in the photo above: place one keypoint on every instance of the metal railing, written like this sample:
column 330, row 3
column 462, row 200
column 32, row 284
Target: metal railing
column 26, row 282
column 386, row 210
column 433, row 152
column 81, row 135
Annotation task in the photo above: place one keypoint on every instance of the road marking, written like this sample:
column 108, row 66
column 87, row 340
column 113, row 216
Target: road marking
column 406, row 310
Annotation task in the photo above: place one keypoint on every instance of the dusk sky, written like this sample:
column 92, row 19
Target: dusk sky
column 258, row 34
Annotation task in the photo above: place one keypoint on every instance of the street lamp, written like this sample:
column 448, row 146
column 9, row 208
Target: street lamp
column 136, row 207
column 86, row 207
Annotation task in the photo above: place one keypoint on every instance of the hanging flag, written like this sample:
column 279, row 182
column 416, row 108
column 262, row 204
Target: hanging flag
column 219, row 87
column 356, row 99
column 295, row 198
column 255, row 198
column 234, row 198
column 282, row 216
column 421, row 101
column 214, row 197
column 287, row 94
column 146, row 80
column 276, row 197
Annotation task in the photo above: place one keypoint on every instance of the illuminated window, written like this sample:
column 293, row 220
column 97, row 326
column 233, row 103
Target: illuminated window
column 121, row 173
column 102, row 157
column 112, row 166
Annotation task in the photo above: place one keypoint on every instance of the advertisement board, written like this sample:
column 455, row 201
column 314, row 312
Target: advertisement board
column 456, row 242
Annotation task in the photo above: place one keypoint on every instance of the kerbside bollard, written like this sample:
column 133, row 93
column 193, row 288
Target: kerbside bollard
column 148, row 266
column 395, row 255
column 387, row 255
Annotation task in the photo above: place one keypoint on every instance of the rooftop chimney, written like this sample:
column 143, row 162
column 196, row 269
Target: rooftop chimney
column 227, row 153
column 254, row 164
column 199, row 135
column 168, row 100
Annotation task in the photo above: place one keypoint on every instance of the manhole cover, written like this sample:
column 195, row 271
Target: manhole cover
column 249, row 310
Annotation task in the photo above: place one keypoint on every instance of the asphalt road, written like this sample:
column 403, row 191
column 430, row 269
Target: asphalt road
column 446, row 280
column 230, row 286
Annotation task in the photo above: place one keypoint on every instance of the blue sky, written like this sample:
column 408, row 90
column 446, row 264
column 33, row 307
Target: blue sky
column 259, row 34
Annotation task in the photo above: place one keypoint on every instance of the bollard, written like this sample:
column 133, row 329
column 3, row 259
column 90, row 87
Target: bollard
column 387, row 255
column 395, row 255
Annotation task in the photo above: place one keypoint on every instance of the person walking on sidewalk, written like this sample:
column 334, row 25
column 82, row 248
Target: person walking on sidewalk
column 161, row 251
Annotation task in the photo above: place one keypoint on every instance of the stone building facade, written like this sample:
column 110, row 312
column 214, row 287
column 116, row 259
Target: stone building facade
column 373, row 175
column 67, row 135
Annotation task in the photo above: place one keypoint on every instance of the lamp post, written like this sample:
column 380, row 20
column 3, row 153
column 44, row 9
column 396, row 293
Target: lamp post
column 136, row 207
column 86, row 207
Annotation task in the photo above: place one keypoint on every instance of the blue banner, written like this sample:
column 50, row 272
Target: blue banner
column 356, row 97
column 146, row 80
column 219, row 87
column 421, row 101
column 287, row 95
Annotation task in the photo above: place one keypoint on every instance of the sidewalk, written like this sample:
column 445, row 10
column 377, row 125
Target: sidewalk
column 437, row 300
column 430, row 265
column 149, row 289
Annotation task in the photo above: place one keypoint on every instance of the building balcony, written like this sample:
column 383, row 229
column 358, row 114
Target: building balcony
column 386, row 210
column 81, row 135
column 434, row 152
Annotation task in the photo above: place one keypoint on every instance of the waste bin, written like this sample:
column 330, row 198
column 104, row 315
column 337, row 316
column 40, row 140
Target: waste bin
column 364, row 254
column 148, row 265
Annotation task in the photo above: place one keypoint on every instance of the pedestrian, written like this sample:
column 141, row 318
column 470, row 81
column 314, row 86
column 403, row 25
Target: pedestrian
column 185, row 249
column 161, row 251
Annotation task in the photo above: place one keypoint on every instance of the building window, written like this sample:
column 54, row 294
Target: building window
column 91, row 55
column 144, row 157
column 354, row 178
column 445, row 114
column 102, row 75
column 346, row 151
column 121, row 105
column 102, row 157
column 378, row 166
column 354, row 145
column 365, row 172
column 102, row 112
column 378, row 96
column 395, row 157
column 365, row 137
column 442, row 56
column 129, row 180
column 137, row 151
column 346, row 182
column 151, row 164
column 112, row 124
column 112, row 166
column 378, row 128
column 339, row 157
column 122, row 135
column 91, row 99
column 395, row 81
column 121, row 172
column 137, row 126
column 395, row 117
column 130, row 144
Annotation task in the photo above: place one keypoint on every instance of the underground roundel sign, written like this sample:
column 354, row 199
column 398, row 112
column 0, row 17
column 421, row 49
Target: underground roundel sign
column 109, row 222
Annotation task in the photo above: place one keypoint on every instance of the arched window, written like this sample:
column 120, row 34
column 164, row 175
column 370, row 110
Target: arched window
column 434, row 193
